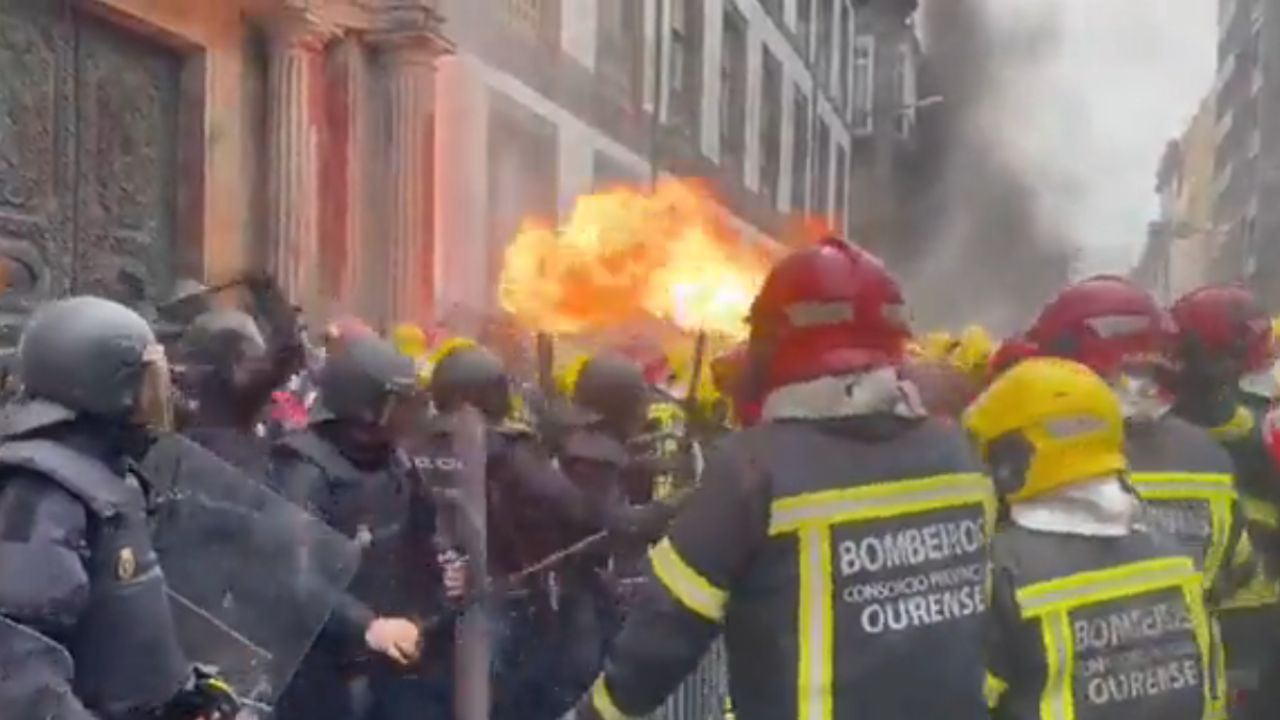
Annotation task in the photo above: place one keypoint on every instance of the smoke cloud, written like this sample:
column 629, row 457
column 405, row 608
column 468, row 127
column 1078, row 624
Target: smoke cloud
column 1041, row 161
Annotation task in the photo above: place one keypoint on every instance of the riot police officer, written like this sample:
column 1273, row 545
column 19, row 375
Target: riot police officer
column 229, row 370
column 533, row 511
column 805, row 541
column 85, row 625
column 347, row 468
column 1092, row 614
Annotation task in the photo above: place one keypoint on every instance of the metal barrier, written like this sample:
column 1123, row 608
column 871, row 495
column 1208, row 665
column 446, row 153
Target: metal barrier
column 703, row 694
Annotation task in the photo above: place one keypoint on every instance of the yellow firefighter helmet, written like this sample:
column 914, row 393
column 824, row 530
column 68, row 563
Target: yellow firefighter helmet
column 410, row 340
column 973, row 350
column 1058, row 416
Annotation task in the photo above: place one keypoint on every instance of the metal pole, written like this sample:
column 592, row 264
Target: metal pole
column 655, row 128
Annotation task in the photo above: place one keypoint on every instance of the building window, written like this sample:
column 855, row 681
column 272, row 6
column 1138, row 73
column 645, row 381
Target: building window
column 822, row 182
column 864, row 88
column 904, row 90
column 619, row 47
column 840, row 217
column 804, row 20
column 686, row 61
column 826, row 35
column 771, row 128
column 800, row 153
column 678, row 24
column 536, row 19
column 844, row 53
column 733, row 88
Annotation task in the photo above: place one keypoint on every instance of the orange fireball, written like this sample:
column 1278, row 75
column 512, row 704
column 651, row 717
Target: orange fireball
column 627, row 255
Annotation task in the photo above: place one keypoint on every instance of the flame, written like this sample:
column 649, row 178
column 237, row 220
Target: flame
column 628, row 255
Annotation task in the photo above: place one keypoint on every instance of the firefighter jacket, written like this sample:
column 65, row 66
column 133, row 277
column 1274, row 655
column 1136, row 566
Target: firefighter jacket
column 844, row 560
column 1256, row 479
column 1247, row 617
column 1087, row 628
column 1185, row 478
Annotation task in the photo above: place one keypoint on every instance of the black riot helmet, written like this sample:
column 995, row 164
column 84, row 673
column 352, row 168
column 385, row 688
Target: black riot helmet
column 612, row 390
column 471, row 374
column 218, row 339
column 363, row 381
column 96, row 357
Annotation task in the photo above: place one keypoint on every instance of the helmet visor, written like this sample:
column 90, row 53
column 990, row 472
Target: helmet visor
column 154, row 406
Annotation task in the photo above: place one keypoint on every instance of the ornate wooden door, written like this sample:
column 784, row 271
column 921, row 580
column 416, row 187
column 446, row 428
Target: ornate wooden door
column 88, row 150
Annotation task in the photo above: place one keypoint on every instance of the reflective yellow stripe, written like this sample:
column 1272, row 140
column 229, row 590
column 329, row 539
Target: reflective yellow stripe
column 816, row 620
column 602, row 702
column 1102, row 585
column 1194, row 598
column 1183, row 484
column 993, row 689
column 833, row 507
column 811, row 517
column 1055, row 703
column 1261, row 512
column 686, row 584
column 1240, row 424
column 1216, row 489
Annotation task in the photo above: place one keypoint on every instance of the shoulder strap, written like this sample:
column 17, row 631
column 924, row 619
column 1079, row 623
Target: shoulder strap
column 313, row 449
column 90, row 480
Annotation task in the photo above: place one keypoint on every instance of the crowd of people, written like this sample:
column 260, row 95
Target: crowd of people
column 1079, row 521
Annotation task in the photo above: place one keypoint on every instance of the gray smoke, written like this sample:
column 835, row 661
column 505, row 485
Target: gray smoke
column 985, row 246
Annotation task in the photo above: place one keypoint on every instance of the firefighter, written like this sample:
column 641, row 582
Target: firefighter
column 1092, row 615
column 1119, row 331
column 1224, row 338
column 805, row 542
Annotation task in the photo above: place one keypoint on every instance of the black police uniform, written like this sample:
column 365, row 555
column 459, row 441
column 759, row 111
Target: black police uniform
column 85, row 624
column 365, row 493
column 533, row 511
column 845, row 562
column 231, row 371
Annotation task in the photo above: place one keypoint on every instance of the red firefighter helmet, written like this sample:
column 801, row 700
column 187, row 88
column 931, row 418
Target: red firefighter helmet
column 1224, row 322
column 826, row 310
column 1103, row 322
column 1010, row 352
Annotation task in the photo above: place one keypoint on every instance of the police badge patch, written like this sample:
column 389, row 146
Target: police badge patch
column 126, row 564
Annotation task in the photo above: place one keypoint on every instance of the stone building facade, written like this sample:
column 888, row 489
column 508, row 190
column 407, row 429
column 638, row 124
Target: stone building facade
column 145, row 140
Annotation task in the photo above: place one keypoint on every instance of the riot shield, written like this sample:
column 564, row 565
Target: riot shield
column 251, row 576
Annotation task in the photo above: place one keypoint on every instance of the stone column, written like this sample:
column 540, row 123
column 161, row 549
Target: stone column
column 358, row 172
column 297, row 36
column 408, row 59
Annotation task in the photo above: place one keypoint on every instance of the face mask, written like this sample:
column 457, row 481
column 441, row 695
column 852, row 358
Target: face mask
column 1141, row 397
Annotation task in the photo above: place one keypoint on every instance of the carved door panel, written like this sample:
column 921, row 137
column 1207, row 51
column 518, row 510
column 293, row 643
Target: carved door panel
column 126, row 150
column 37, row 60
column 88, row 126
